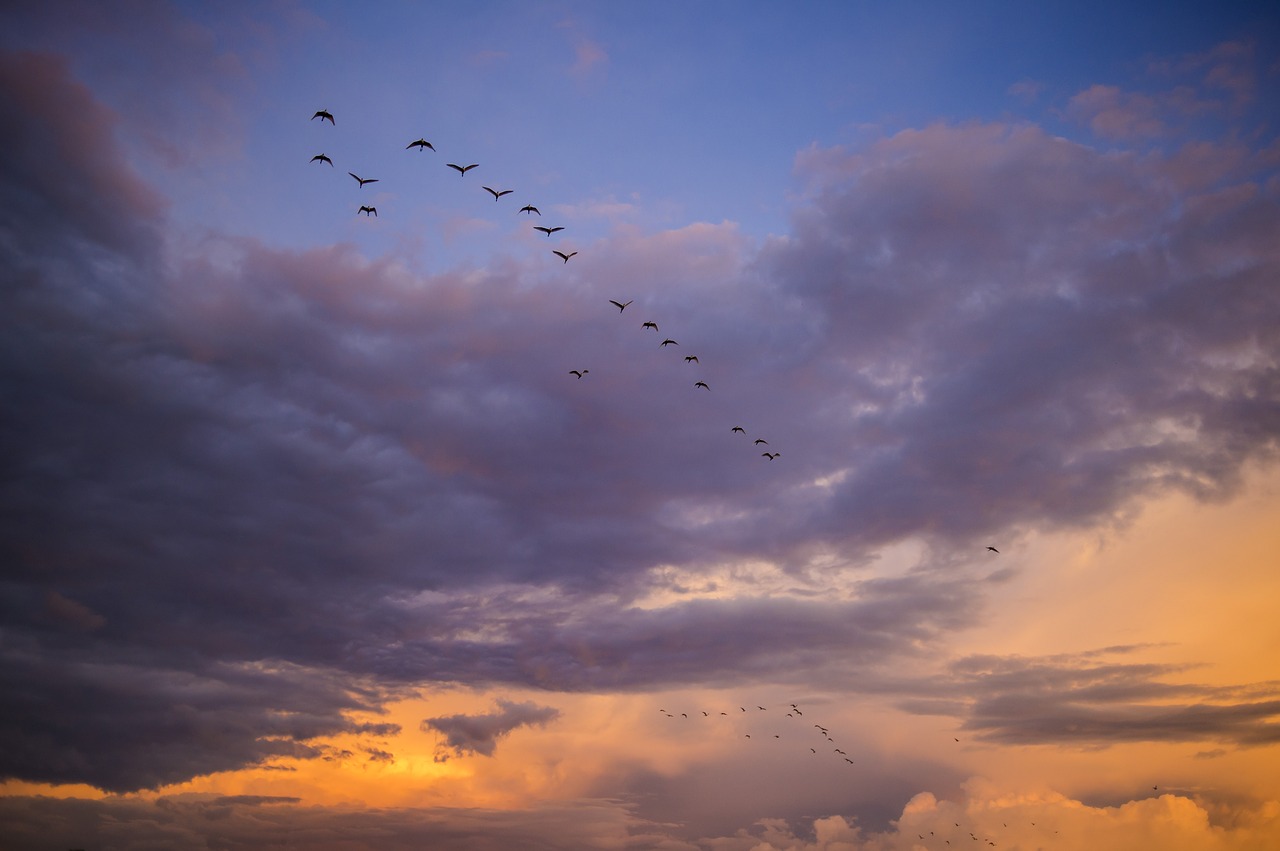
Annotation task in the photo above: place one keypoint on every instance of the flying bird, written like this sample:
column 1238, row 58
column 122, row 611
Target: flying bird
column 621, row 307
column 760, row 440
column 668, row 342
column 367, row 211
column 324, row 115
column 653, row 325
column 363, row 180
column 563, row 256
column 770, row 455
column 702, row 384
column 691, row 359
column 529, row 208
column 462, row 169
column 738, row 429
column 496, row 194
column 322, row 158
column 547, row 231
column 993, row 549
column 579, row 372
column 420, row 144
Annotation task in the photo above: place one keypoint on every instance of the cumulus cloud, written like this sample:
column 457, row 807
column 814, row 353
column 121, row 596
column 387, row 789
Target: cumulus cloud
column 479, row 734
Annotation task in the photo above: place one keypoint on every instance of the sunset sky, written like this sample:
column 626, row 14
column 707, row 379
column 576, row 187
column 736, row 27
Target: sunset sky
column 311, row 538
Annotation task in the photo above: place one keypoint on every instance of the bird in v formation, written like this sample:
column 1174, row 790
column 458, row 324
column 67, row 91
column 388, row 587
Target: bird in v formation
column 422, row 144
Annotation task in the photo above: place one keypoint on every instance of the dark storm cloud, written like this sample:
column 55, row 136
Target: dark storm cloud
column 466, row 734
column 1089, row 702
column 235, row 475
column 250, row 822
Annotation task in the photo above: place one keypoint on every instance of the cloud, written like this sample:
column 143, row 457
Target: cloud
column 279, row 487
column 479, row 734
column 1083, row 702
column 984, row 810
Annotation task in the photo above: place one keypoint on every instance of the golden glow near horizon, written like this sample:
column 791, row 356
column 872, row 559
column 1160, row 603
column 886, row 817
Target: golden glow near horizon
column 1200, row 573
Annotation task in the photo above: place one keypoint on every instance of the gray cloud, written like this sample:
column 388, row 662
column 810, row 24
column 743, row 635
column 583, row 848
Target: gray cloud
column 1089, row 702
column 466, row 734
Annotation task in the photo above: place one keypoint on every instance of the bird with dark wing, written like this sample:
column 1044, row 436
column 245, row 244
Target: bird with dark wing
column 420, row 145
column 993, row 549
column 368, row 211
column 760, row 440
column 738, row 430
column 563, row 256
column 579, row 372
column 529, row 208
column 363, row 180
column 324, row 115
column 701, row 384
column 653, row 325
column 322, row 158
column 496, row 193
column 770, row 455
column 691, row 359
column 462, row 169
column 668, row 342
column 547, row 231
column 620, row 305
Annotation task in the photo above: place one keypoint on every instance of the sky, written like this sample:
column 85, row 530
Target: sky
column 312, row 537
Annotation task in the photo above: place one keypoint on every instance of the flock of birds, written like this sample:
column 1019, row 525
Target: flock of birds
column 421, row 144
column 818, row 740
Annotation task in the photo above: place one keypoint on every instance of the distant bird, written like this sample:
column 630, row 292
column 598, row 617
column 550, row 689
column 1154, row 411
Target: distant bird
column 993, row 549
column 563, row 256
column 367, row 211
column 761, row 708
column 653, row 325
column 529, row 208
column 462, row 169
column 420, row 144
column 760, row 440
column 621, row 306
column 738, row 429
column 547, row 231
column 579, row 372
column 811, row 750
column 702, row 384
column 496, row 194
column 363, row 180
column 324, row 115
column 770, row 455
column 691, row 359
column 322, row 158
column 668, row 342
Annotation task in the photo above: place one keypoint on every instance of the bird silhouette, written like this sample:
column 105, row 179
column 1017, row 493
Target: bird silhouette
column 496, row 194
column 529, row 208
column 993, row 549
column 738, row 430
column 760, row 440
column 322, row 158
column 420, row 144
column 563, row 256
column 653, row 325
column 363, row 180
column 691, row 359
column 367, row 211
column 770, row 455
column 702, row 384
column 462, row 169
column 668, row 342
column 579, row 372
column 547, row 231
column 324, row 115
column 621, row 307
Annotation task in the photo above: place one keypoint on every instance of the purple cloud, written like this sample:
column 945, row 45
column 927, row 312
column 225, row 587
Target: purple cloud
column 479, row 734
